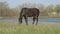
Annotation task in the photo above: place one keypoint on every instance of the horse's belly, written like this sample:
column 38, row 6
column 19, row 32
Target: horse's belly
column 30, row 15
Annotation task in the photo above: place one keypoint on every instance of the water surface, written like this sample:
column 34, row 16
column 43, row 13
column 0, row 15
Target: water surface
column 30, row 19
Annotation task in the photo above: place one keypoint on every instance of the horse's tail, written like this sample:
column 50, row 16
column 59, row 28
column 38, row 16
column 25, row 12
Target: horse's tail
column 38, row 12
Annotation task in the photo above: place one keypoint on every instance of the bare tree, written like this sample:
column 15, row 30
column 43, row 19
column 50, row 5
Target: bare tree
column 57, row 8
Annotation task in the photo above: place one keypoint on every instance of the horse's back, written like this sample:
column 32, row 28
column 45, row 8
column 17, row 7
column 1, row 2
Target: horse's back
column 30, row 11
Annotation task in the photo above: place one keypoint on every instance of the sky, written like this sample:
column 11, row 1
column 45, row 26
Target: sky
column 14, row 3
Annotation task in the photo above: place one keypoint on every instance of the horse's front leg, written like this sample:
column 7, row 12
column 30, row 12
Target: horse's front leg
column 33, row 20
column 26, row 20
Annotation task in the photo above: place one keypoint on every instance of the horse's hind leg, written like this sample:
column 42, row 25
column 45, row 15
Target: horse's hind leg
column 26, row 20
column 37, row 21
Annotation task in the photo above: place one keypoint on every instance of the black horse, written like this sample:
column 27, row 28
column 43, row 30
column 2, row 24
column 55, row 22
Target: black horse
column 29, row 12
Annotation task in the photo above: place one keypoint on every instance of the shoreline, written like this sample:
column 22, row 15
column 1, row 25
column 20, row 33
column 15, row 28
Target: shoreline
column 38, row 17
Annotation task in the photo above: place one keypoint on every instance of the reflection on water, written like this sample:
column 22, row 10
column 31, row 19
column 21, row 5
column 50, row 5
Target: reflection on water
column 30, row 19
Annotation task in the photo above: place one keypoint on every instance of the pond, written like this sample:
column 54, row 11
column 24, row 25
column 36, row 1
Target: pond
column 30, row 19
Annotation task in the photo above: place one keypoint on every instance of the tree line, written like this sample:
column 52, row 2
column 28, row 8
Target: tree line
column 6, row 11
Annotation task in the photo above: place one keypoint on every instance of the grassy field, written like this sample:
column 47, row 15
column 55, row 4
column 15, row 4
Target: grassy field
column 41, row 28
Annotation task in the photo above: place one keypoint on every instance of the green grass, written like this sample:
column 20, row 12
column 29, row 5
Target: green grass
column 41, row 28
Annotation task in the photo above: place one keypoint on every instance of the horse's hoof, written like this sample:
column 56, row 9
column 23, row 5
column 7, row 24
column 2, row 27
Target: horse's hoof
column 32, row 23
